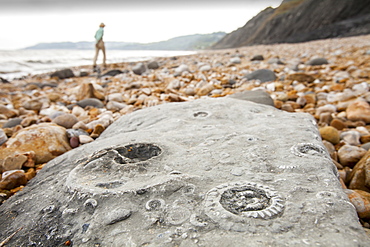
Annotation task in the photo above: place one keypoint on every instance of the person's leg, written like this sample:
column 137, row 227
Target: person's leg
column 104, row 57
column 96, row 54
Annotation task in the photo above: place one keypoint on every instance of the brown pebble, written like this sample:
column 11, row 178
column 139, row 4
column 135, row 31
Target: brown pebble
column 31, row 173
column 330, row 134
column 28, row 121
column 98, row 129
column 361, row 200
column 365, row 139
column 66, row 120
column 13, row 180
column 338, row 124
column 287, row 107
column 325, row 118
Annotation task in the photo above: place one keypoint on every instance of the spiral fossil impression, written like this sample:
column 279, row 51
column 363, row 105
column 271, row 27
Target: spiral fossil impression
column 243, row 199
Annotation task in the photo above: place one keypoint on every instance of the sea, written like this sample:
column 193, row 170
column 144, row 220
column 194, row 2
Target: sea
column 18, row 63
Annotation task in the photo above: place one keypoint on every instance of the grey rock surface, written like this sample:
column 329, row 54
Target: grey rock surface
column 263, row 75
column 212, row 172
column 256, row 96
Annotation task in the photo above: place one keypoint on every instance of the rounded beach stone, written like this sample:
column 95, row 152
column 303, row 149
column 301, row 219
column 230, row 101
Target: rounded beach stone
column 359, row 111
column 338, row 124
column 349, row 155
column 264, row 75
column 47, row 140
column 360, row 176
column 90, row 102
column 76, row 132
column 153, row 65
column 139, row 69
column 205, row 68
column 63, row 74
column 12, row 179
column 235, row 60
column 365, row 138
column 206, row 89
column 325, row 118
column 317, row 61
column 28, row 121
column 115, row 97
column 14, row 162
column 7, row 112
column 330, row 134
column 74, row 141
column 85, row 139
column 301, row 77
column 351, row 137
column 182, row 68
column 113, row 72
column 257, row 58
column 3, row 137
column 66, row 120
column 33, row 104
column 361, row 200
column 326, row 108
column 366, row 146
column 12, row 122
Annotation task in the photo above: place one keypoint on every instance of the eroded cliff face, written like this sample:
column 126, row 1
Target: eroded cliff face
column 302, row 20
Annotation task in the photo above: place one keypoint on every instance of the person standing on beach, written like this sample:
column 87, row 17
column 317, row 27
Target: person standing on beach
column 99, row 45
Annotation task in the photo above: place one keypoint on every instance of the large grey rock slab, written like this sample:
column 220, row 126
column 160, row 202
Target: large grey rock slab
column 212, row 172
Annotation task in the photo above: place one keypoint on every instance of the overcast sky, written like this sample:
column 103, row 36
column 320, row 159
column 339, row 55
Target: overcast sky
column 28, row 22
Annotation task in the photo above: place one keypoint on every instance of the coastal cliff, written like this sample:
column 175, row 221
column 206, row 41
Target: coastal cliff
column 302, row 20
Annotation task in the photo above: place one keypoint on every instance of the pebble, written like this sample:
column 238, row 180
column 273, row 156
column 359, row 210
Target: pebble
column 257, row 58
column 66, row 120
column 90, row 102
column 359, row 178
column 338, row 124
column 182, row 68
column 3, row 137
column 115, row 97
column 98, row 129
column 317, row 61
column 301, row 77
column 88, row 90
column 264, row 75
column 74, row 141
column 85, row 139
column 330, row 134
column 359, row 111
column 351, row 137
column 13, row 162
column 235, row 60
column 139, row 68
column 33, row 104
column 153, row 64
column 46, row 140
column 12, row 179
column 349, row 155
column 12, row 122
column 9, row 113
column 361, row 200
column 63, row 74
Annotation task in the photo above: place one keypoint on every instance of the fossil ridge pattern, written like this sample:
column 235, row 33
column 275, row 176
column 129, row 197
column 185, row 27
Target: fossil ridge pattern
column 238, row 200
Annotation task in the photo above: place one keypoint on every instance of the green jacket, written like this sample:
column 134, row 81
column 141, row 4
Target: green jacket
column 99, row 34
